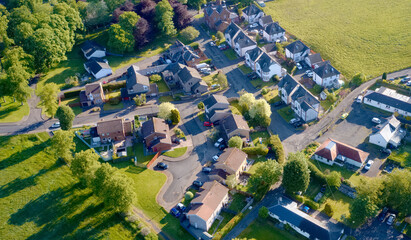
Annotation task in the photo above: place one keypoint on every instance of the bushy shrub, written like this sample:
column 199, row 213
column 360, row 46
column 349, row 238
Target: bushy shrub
column 71, row 94
column 299, row 198
column 114, row 100
column 260, row 150
column 114, row 86
column 277, row 147
column 264, row 91
column 72, row 81
column 263, row 212
column 145, row 231
column 96, row 109
column 227, row 228
column 208, row 61
column 195, row 45
column 316, row 173
column 328, row 209
column 155, row 78
column 189, row 195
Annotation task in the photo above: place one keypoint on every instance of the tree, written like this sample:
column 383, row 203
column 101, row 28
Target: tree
column 189, row 195
column 328, row 209
column 296, row 176
column 268, row 173
column 384, row 76
column 113, row 4
column 235, row 141
column 97, row 13
column 4, row 38
column 66, row 116
column 200, row 106
column 334, row 179
column 48, row 98
column 102, row 179
column 182, row 18
column 120, row 40
column 220, row 36
column 263, row 212
column 155, row 78
column 222, row 80
column 175, row 116
column 231, row 181
column 196, row 4
column 246, row 100
column 361, row 209
column 188, row 34
column 62, row 145
column 275, row 144
column 142, row 32
column 16, row 83
column 396, row 191
column 128, row 21
column 140, row 100
column 84, row 165
column 164, row 17
column 260, row 112
column 164, row 110
column 258, row 38
column 245, row 3
column 358, row 79
column 118, row 192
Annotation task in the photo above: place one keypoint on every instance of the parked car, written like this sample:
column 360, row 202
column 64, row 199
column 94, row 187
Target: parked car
column 223, row 47
column 305, row 209
column 405, row 79
column 215, row 158
column 222, row 146
column 212, row 43
column 252, row 75
column 254, row 25
column 344, row 116
column 408, row 83
column 181, row 207
column 292, row 121
column 279, row 103
column 391, row 219
column 309, row 73
column 297, row 124
column 208, row 124
column 162, row 165
column 175, row 212
column 219, row 141
column 376, row 120
column 214, row 86
column 299, row 66
column 368, row 165
column 198, row 183
column 359, row 99
column 55, row 125
column 206, row 169
column 385, row 150
column 383, row 214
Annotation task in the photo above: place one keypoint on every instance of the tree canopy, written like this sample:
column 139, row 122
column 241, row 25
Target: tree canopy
column 66, row 116
column 268, row 173
column 62, row 145
column 296, row 176
column 165, row 110
column 236, row 142
column 164, row 16
column 48, row 97
column 84, row 165
column 188, row 34
column 120, row 40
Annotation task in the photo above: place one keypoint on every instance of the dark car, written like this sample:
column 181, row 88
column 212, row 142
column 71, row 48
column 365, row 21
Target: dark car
column 222, row 146
column 383, row 214
column 162, row 165
column 279, row 103
column 198, row 183
column 206, row 169
column 175, row 212
column 386, row 151
column 297, row 124
column 323, row 188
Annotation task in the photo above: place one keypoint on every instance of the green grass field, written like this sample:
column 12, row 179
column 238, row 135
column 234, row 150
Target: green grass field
column 11, row 111
column 265, row 230
column 402, row 155
column 177, row 152
column 77, row 110
column 368, row 36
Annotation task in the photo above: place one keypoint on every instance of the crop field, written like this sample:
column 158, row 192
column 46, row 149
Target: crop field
column 369, row 36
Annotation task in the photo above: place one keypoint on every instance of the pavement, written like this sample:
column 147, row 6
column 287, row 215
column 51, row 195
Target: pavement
column 376, row 230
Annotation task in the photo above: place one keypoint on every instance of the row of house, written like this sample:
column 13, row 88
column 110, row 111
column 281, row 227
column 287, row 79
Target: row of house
column 388, row 100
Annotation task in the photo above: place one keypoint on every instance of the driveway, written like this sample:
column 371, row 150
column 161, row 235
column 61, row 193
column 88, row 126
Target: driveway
column 376, row 230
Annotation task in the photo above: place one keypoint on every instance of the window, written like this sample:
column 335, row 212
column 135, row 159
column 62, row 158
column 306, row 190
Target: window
column 388, row 107
column 102, row 134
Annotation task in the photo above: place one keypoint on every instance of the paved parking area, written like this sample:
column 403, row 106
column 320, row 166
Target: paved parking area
column 375, row 230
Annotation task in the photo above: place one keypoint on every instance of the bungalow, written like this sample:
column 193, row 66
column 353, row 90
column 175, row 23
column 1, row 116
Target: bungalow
column 207, row 204
column 313, row 60
column 191, row 81
column 92, row 95
column 114, row 130
column 388, row 133
column 326, row 76
column 252, row 13
column 91, row 49
column 230, row 33
column 217, row 17
column 243, row 43
column 156, row 135
column 266, row 67
column 297, row 51
column 97, row 67
column 270, row 48
column 388, row 100
column 332, row 151
column 235, row 125
column 264, row 21
column 273, row 32
column 232, row 161
column 135, row 82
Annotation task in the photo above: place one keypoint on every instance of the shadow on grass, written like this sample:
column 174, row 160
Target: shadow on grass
column 7, row 111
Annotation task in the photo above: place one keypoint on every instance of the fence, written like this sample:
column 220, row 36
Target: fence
column 153, row 159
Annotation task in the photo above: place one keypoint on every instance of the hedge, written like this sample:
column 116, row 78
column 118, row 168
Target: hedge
column 208, row 61
column 114, row 86
column 310, row 203
column 316, row 173
column 71, row 94
column 195, row 45
column 277, row 147
column 256, row 150
column 227, row 228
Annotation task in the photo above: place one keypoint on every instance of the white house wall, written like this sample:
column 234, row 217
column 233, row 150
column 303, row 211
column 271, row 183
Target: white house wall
column 377, row 139
column 197, row 222
column 385, row 107
column 323, row 160
column 103, row 73
column 241, row 51
column 353, row 162
column 326, row 82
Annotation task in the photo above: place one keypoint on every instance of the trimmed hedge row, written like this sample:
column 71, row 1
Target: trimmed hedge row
column 316, row 173
column 71, row 94
column 114, row 86
column 277, row 148
column 311, row 204
column 260, row 150
column 230, row 225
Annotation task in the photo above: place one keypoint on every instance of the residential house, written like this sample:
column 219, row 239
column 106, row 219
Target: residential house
column 97, row 67
column 230, row 33
column 135, row 82
column 388, row 133
column 252, row 13
column 190, row 80
column 264, row 21
column 266, row 67
column 232, row 161
column 207, row 204
column 216, row 107
column 92, row 95
column 327, row 76
column 181, row 53
column 156, row 135
column 333, row 152
column 270, row 48
column 235, row 125
column 297, row 51
column 91, row 49
column 243, row 43
column 388, row 100
column 273, row 32
column 217, row 17
column 313, row 60
column 286, row 87
column 114, row 130
column 251, row 57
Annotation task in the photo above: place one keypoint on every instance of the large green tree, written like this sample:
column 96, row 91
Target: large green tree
column 396, row 191
column 62, row 145
column 296, row 176
column 268, row 173
column 66, row 116
column 97, row 13
column 84, row 166
column 102, row 179
column 165, row 110
column 175, row 116
column 119, row 192
column 196, row 4
column 189, row 33
column 4, row 38
column 236, row 142
column 128, row 21
column 362, row 208
column 17, row 84
column 120, row 40
column 48, row 97
column 164, row 17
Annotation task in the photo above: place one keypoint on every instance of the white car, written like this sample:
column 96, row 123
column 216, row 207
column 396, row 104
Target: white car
column 309, row 73
column 215, row 158
column 359, row 99
column 212, row 43
column 219, row 141
column 368, row 165
column 299, row 66
column 254, row 25
column 55, row 125
column 376, row 120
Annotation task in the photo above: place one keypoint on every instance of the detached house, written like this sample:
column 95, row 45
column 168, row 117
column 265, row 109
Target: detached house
column 273, row 32
column 263, row 64
column 388, row 133
column 230, row 33
column 114, row 130
column 91, row 49
column 333, row 152
column 313, row 60
column 217, row 17
column 264, row 21
column 251, row 57
column 136, row 83
column 252, row 13
column 181, row 53
column 389, row 100
column 243, row 43
column 326, row 76
column 207, row 204
column 97, row 67
column 297, row 51
column 156, row 135
column 191, row 81
column 235, row 125
column 92, row 95
column 216, row 107
column 232, row 161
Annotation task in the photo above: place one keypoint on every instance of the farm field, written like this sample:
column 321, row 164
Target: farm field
column 356, row 35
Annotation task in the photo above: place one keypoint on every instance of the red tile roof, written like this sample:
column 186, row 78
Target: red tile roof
column 331, row 148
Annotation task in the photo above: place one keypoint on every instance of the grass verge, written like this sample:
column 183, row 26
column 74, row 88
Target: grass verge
column 230, row 54
column 11, row 111
column 177, row 152
column 265, row 230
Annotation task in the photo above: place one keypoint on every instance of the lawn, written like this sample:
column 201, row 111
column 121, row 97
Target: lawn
column 11, row 111
column 258, row 83
column 108, row 107
column 236, row 108
column 162, row 86
column 177, row 152
column 272, row 96
column 340, row 203
column 265, row 230
column 402, row 155
column 245, row 69
column 286, row 113
column 113, row 95
column 77, row 110
column 216, row 226
column 139, row 153
column 356, row 35
column 255, row 136
column 326, row 104
column 238, row 202
column 230, row 54
column 167, row 98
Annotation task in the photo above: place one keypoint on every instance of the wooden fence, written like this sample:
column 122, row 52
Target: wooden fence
column 153, row 159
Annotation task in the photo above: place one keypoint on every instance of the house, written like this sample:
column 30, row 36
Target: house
column 313, row 60
column 230, row 33
column 388, row 133
column 389, row 100
column 326, row 76
column 233, row 161
column 297, row 51
column 114, row 130
column 270, row 48
column 251, row 57
column 243, row 43
column 264, row 21
column 156, row 135
column 252, row 14
column 235, row 125
column 181, row 53
column 303, row 103
column 273, row 32
column 266, row 67
column 91, row 49
column 207, row 204
column 216, row 107
column 332, row 151
column 191, row 81
column 97, row 67
column 217, row 17
column 135, row 82
column 92, row 95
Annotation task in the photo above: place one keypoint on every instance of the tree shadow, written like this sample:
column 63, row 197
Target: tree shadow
column 5, row 112
column 21, row 156
column 30, row 127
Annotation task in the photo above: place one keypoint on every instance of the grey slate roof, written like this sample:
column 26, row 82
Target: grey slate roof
column 251, row 10
column 326, row 70
column 213, row 99
column 288, row 83
column 315, row 58
column 254, row 53
column 187, row 73
column 296, row 47
column 179, row 52
column 89, row 47
column 393, row 102
column 243, row 40
column 134, row 77
column 266, row 19
column 265, row 62
column 234, row 122
column 271, row 47
column 274, row 28
column 302, row 95
column 209, row 10
column 232, row 29
column 96, row 64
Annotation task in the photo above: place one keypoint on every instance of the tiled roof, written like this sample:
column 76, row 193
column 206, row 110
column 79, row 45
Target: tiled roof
column 233, row 158
column 254, row 53
column 288, row 83
column 326, row 70
column 234, row 122
column 315, row 58
column 273, row 28
column 243, row 40
column 93, row 88
column 134, row 77
column 251, row 10
column 331, row 148
column 296, row 47
column 90, row 47
column 187, row 73
column 96, row 65
column 213, row 99
column 390, row 101
column 154, row 125
column 110, row 126
column 232, row 29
